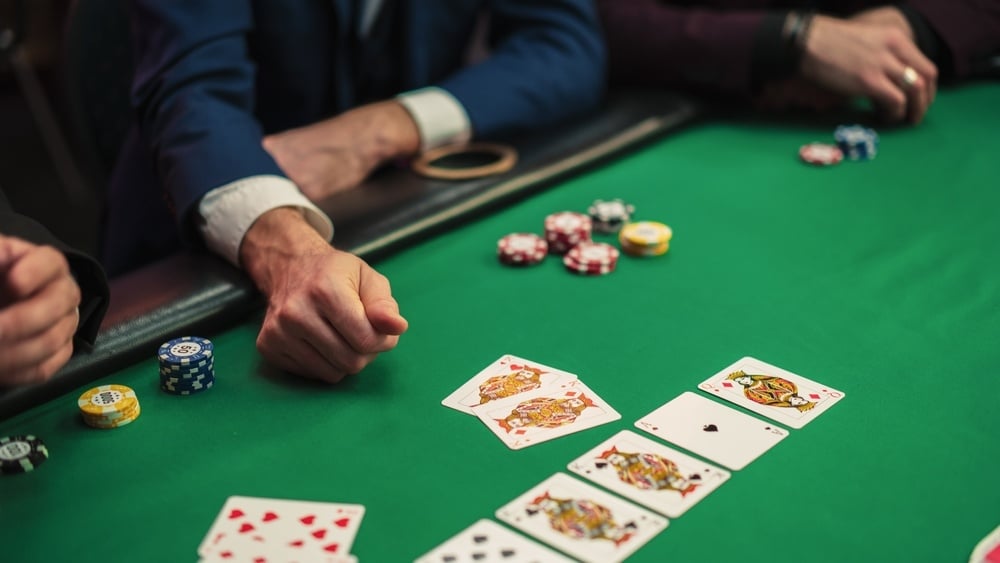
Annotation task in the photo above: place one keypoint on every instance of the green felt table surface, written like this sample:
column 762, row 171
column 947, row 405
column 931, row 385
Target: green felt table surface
column 881, row 279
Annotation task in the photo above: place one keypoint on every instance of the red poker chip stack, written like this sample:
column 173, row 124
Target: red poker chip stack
column 821, row 154
column 521, row 249
column 591, row 258
column 566, row 229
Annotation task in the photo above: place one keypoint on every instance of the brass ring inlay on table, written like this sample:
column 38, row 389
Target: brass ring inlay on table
column 506, row 158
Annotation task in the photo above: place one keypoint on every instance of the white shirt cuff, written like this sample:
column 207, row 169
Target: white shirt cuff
column 229, row 211
column 440, row 117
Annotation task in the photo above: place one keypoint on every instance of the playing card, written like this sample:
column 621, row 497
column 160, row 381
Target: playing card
column 712, row 430
column 581, row 520
column 272, row 530
column 649, row 473
column 541, row 415
column 988, row 549
column 773, row 392
column 489, row 542
column 229, row 559
column 506, row 377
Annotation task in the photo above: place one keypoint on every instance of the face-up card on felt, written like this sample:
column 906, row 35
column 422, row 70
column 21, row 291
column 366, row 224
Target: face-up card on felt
column 780, row 395
column 649, row 473
column 258, row 559
column 581, row 520
column 489, row 542
column 506, row 377
column 712, row 430
column 538, row 416
column 248, row 528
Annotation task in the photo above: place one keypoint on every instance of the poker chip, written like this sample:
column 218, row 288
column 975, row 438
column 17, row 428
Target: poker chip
column 645, row 238
column 187, row 365
column 591, row 258
column 821, row 154
column 109, row 406
column 186, row 350
column 856, row 141
column 522, row 249
column 566, row 229
column 609, row 216
column 21, row 454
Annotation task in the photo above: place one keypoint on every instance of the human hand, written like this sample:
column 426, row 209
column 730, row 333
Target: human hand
column 885, row 16
column 855, row 58
column 329, row 314
column 38, row 311
column 338, row 153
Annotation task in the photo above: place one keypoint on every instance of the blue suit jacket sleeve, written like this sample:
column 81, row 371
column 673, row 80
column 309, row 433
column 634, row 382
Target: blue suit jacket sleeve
column 194, row 95
column 547, row 63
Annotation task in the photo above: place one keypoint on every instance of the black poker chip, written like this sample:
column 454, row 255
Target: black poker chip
column 21, row 454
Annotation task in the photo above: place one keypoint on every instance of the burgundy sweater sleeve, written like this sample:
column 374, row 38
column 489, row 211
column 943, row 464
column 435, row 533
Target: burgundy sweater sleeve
column 969, row 28
column 655, row 44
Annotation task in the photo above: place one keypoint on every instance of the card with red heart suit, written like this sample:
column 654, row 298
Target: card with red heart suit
column 263, row 530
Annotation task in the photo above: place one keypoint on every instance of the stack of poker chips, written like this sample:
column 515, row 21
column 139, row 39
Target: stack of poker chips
column 109, row 406
column 591, row 258
column 187, row 365
column 856, row 142
column 609, row 216
column 21, row 454
column 821, row 154
column 521, row 249
column 645, row 238
column 566, row 229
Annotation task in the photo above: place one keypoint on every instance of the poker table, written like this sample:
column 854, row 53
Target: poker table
column 878, row 278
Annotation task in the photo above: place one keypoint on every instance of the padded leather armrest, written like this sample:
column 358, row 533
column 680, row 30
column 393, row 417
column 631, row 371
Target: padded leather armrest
column 197, row 293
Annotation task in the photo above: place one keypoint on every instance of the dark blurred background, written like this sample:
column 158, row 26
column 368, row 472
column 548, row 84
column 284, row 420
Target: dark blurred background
column 41, row 156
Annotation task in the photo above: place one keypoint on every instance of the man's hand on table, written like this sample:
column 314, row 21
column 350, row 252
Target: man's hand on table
column 329, row 314
column 38, row 311
column 338, row 153
column 869, row 56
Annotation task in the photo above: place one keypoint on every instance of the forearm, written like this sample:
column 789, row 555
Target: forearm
column 278, row 238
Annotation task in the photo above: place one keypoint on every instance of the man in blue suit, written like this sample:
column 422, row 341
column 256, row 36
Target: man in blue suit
column 248, row 111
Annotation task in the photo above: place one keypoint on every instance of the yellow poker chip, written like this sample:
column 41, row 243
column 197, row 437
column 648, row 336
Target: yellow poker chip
column 117, row 423
column 645, row 233
column 633, row 250
column 107, row 399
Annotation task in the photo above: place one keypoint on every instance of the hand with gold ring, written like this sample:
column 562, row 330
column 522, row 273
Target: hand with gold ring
column 891, row 16
column 858, row 58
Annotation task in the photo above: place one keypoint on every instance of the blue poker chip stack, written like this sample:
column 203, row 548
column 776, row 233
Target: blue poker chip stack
column 856, row 141
column 187, row 365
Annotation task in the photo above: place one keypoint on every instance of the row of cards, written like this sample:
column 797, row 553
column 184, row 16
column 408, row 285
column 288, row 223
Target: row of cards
column 526, row 403
column 589, row 523
column 584, row 521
